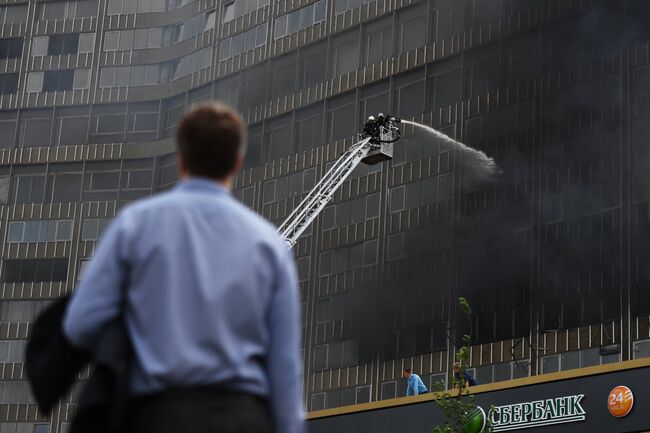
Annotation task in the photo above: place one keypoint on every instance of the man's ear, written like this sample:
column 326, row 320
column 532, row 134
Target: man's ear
column 182, row 170
column 239, row 163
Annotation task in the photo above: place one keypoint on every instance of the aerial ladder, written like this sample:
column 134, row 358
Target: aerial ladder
column 374, row 145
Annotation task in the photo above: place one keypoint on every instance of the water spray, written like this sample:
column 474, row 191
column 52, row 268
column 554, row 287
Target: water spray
column 481, row 164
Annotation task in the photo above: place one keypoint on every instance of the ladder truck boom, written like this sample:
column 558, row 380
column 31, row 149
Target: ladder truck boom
column 375, row 145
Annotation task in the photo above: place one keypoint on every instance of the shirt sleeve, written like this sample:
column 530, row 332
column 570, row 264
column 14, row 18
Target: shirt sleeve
column 98, row 298
column 284, row 363
column 416, row 385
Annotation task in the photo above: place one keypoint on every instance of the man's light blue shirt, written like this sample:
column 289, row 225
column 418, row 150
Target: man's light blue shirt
column 209, row 294
column 415, row 385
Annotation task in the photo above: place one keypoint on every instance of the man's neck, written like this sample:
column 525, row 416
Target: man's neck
column 226, row 182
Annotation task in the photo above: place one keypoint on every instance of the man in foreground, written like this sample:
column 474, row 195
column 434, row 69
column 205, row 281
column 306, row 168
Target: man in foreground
column 209, row 295
column 414, row 385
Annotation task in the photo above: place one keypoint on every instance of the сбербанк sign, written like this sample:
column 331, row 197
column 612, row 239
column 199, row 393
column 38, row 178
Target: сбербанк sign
column 538, row 413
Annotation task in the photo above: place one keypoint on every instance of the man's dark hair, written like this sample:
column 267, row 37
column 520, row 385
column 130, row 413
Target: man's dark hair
column 209, row 140
column 408, row 370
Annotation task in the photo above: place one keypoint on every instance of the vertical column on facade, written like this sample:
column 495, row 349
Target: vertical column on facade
column 626, row 202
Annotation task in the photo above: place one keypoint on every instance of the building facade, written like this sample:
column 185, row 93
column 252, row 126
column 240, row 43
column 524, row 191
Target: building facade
column 553, row 254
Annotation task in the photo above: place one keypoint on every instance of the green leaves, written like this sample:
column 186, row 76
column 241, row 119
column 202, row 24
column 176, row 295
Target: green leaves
column 456, row 404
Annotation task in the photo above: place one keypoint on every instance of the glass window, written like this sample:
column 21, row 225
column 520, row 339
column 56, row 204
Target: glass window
column 413, row 33
column 35, row 82
column 11, row 48
column 229, row 11
column 318, row 401
column 378, row 42
column 86, row 42
column 8, row 84
column 63, row 44
column 13, row 14
column 86, row 8
column 40, row 231
column 41, row 428
column 127, row 38
column 122, row 76
column 39, row 45
column 107, row 77
column 346, row 58
column 319, row 11
column 16, row 231
column 388, row 390
column 280, row 26
column 111, row 41
column 81, row 79
column 34, row 270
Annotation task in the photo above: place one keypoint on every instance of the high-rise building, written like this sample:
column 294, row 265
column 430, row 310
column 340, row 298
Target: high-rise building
column 553, row 254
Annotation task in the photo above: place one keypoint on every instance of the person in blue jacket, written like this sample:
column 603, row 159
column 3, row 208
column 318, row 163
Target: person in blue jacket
column 463, row 375
column 414, row 386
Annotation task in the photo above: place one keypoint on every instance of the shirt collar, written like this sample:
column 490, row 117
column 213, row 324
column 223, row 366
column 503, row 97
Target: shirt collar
column 201, row 184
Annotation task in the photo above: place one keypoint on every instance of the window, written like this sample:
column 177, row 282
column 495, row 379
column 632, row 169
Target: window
column 148, row 38
column 39, row 45
column 40, row 231
column 21, row 311
column 188, row 29
column 81, row 79
column 92, row 228
column 34, row 270
column 142, row 121
column 15, row 392
column 71, row 126
column 137, row 175
column 12, row 350
column 34, row 82
column 11, row 48
column 101, row 181
column 237, row 8
column 29, row 189
column 124, row 76
column 229, row 11
column 86, row 43
column 63, row 10
column 168, row 171
column 108, row 123
column 54, row 81
column 313, row 64
column 63, row 44
column 172, row 111
column 13, row 14
column 318, row 401
column 378, row 42
column 81, row 269
column 8, row 83
column 243, row 42
column 64, row 183
column 502, row 371
column 116, row 7
column 641, row 349
column 412, row 29
column 41, row 428
column 187, row 65
column 300, row 19
column 112, row 40
column 388, row 390
column 345, row 55
column 437, row 381
column 343, row 5
column 576, row 359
